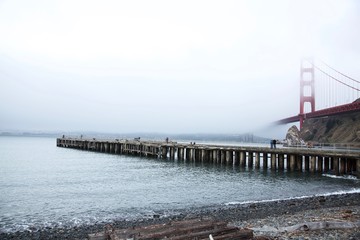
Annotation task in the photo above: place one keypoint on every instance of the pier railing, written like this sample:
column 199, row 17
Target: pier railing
column 324, row 160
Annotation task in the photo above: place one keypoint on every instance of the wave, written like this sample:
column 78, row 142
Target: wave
column 355, row 190
column 348, row 177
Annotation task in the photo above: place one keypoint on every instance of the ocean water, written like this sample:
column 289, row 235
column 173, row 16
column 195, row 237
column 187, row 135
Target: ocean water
column 42, row 185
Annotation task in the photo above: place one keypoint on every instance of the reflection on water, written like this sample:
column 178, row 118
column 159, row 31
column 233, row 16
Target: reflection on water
column 42, row 185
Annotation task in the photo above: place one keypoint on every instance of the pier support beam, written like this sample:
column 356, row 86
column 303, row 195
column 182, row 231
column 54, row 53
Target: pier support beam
column 257, row 160
column 265, row 160
column 312, row 163
column 326, row 164
column 307, row 160
column 336, row 161
column 342, row 166
column 281, row 161
column 358, row 167
column 237, row 158
column 292, row 163
column 242, row 159
column 320, row 164
column 273, row 161
column 250, row 159
column 180, row 153
column 229, row 157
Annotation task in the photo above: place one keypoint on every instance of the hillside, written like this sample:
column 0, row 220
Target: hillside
column 334, row 129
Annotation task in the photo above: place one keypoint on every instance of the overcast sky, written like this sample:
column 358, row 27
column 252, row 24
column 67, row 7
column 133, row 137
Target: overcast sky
column 165, row 66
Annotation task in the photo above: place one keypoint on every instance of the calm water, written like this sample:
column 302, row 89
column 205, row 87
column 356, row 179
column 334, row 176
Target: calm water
column 42, row 185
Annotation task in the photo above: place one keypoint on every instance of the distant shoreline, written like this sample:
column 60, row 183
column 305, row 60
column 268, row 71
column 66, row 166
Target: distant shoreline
column 230, row 213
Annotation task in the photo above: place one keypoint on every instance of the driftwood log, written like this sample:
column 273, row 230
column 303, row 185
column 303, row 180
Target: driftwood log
column 311, row 226
column 326, row 225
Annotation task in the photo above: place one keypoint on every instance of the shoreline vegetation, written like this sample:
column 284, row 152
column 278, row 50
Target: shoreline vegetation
column 265, row 218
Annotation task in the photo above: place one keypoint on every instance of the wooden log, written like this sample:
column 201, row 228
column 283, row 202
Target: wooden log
column 183, row 230
column 325, row 225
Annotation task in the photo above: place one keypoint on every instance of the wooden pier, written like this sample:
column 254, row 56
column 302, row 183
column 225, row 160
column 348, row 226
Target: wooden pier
column 338, row 162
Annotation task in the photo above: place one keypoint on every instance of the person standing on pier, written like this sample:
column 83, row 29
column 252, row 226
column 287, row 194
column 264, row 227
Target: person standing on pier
column 272, row 143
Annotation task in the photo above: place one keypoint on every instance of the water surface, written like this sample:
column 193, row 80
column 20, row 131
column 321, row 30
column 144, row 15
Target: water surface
column 43, row 185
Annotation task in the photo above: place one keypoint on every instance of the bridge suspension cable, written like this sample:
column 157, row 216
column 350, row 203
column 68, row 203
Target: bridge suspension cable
column 333, row 87
column 339, row 81
column 338, row 71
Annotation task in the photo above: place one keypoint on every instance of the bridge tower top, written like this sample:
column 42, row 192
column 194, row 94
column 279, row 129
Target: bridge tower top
column 307, row 87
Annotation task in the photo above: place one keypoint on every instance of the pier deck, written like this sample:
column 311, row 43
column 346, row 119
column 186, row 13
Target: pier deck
column 338, row 162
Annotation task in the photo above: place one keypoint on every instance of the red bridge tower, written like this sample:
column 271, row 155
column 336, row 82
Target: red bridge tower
column 307, row 88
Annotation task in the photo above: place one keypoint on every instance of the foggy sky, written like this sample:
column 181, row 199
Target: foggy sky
column 165, row 66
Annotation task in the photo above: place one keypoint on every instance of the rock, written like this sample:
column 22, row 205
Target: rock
column 293, row 137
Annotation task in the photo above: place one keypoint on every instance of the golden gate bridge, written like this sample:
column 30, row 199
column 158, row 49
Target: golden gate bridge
column 336, row 93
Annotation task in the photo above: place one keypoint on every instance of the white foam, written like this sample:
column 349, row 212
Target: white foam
column 341, row 177
column 355, row 190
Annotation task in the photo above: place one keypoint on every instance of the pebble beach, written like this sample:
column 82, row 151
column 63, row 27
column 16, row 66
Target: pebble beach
column 265, row 218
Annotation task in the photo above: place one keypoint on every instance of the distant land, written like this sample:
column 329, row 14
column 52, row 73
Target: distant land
column 247, row 137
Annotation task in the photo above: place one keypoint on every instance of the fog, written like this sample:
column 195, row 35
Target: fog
column 165, row 66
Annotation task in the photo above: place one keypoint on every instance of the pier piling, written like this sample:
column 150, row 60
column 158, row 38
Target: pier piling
column 290, row 159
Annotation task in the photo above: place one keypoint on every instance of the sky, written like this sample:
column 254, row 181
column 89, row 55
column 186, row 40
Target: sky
column 196, row 66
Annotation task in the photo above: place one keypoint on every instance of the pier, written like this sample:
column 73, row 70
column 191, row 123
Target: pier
column 338, row 162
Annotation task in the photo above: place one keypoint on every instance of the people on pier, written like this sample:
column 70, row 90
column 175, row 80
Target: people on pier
column 167, row 140
column 273, row 143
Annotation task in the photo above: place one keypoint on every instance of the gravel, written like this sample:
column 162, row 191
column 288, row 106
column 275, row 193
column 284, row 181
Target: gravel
column 260, row 216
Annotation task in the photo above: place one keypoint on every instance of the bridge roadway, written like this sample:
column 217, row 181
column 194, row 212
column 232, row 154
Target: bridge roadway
column 338, row 162
column 342, row 109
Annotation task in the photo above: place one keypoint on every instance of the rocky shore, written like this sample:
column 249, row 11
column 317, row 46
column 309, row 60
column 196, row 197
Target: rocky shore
column 264, row 217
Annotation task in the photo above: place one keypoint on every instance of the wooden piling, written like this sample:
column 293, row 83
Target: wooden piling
column 342, row 166
column 273, row 161
column 236, row 158
column 336, row 165
column 314, row 160
column 257, row 160
column 242, row 159
column 250, row 159
column 326, row 164
column 306, row 163
column 312, row 163
column 281, row 161
column 265, row 160
column 292, row 165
